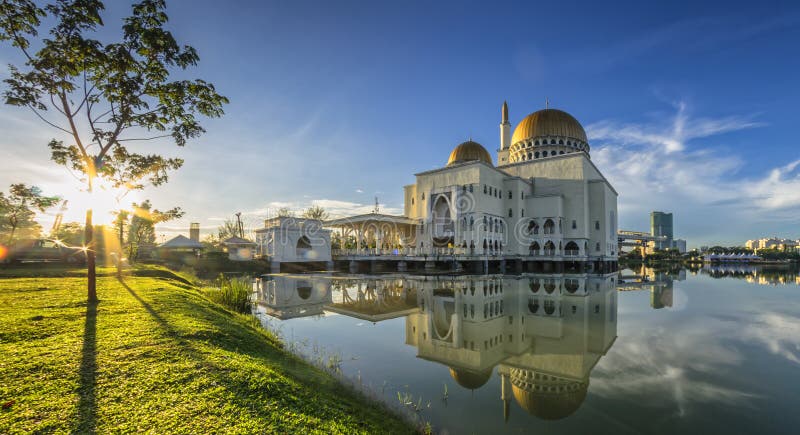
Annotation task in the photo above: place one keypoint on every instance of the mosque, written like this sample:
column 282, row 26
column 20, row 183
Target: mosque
column 541, row 205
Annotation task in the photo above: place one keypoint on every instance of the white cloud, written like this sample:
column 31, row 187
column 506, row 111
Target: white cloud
column 668, row 165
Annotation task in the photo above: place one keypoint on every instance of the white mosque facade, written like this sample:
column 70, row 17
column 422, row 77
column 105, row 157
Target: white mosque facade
column 542, row 199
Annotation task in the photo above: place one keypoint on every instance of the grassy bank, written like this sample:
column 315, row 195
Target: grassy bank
column 155, row 355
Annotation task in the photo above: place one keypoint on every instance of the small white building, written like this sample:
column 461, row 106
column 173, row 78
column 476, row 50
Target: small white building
column 288, row 239
column 239, row 249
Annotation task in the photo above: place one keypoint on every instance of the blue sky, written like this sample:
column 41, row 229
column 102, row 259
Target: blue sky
column 689, row 108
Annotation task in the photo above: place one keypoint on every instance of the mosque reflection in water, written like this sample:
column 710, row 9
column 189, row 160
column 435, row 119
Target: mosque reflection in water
column 543, row 334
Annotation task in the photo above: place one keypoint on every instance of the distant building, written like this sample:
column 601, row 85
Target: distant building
column 239, row 249
column 788, row 245
column 680, row 245
column 661, row 226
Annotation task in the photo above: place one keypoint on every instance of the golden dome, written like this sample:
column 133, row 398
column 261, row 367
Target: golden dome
column 469, row 151
column 545, row 396
column 549, row 122
column 469, row 379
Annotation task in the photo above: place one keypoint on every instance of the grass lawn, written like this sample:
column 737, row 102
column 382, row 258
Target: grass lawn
column 154, row 355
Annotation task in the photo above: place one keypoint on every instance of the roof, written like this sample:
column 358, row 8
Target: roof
column 237, row 241
column 181, row 242
column 369, row 217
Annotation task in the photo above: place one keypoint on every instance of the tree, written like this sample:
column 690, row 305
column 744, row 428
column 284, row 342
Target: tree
column 105, row 97
column 316, row 212
column 142, row 229
column 228, row 229
column 71, row 233
column 18, row 210
column 121, row 223
column 284, row 212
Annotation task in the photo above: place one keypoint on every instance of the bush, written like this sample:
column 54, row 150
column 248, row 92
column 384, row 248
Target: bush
column 233, row 294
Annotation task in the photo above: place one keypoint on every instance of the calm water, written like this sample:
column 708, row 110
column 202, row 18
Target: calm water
column 714, row 350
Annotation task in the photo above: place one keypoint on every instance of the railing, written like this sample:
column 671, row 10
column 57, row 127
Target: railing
column 417, row 252
column 571, row 252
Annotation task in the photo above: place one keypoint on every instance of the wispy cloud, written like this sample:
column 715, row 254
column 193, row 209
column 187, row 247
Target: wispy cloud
column 336, row 208
column 669, row 164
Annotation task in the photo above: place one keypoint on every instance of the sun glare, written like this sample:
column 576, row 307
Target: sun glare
column 103, row 200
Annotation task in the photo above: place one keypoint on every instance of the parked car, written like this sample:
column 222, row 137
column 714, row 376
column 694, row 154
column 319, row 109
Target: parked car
column 43, row 250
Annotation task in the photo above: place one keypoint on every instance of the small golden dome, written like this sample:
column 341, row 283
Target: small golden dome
column 469, row 151
column 549, row 122
column 469, row 379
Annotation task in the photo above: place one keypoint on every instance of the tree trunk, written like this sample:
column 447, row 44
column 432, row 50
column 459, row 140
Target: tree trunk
column 91, row 273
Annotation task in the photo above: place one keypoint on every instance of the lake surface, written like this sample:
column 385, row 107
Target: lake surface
column 711, row 350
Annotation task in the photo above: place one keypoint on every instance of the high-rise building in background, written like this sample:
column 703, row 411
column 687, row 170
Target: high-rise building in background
column 661, row 226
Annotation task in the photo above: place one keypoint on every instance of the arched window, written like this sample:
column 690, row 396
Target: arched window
column 571, row 285
column 470, row 188
column 549, row 226
column 597, row 247
column 549, row 285
column 412, row 200
column 549, row 248
column 534, row 249
column 561, row 141
column 552, row 141
column 569, row 143
column 471, row 223
column 571, row 249
column 510, row 213
column 423, row 196
column 303, row 247
column 597, row 225
column 533, row 227
column 534, row 285
column 536, row 154
column 529, row 156
column 544, row 153
column 509, row 194
column 536, row 143
column 574, row 224
column 522, row 213
column 485, row 189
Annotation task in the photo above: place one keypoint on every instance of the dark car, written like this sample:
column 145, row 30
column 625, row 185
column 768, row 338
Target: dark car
column 44, row 250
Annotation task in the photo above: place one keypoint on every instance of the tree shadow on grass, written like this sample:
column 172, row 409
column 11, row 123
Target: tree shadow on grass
column 87, row 405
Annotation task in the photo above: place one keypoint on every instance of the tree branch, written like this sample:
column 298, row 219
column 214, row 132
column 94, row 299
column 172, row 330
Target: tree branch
column 48, row 122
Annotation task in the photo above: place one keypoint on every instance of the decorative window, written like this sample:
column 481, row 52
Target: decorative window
column 509, row 194
column 470, row 188
column 574, row 224
column 597, row 247
column 544, row 153
column 485, row 189
column 536, row 154
column 510, row 213
column 597, row 225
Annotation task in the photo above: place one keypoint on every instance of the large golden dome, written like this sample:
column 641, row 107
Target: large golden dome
column 469, row 151
column 545, row 396
column 549, row 122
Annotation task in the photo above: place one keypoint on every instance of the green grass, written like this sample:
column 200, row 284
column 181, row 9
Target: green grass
column 154, row 355
column 233, row 294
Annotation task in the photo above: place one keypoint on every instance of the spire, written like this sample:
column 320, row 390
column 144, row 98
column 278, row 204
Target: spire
column 505, row 113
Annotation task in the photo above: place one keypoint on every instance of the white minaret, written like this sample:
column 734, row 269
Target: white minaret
column 505, row 136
